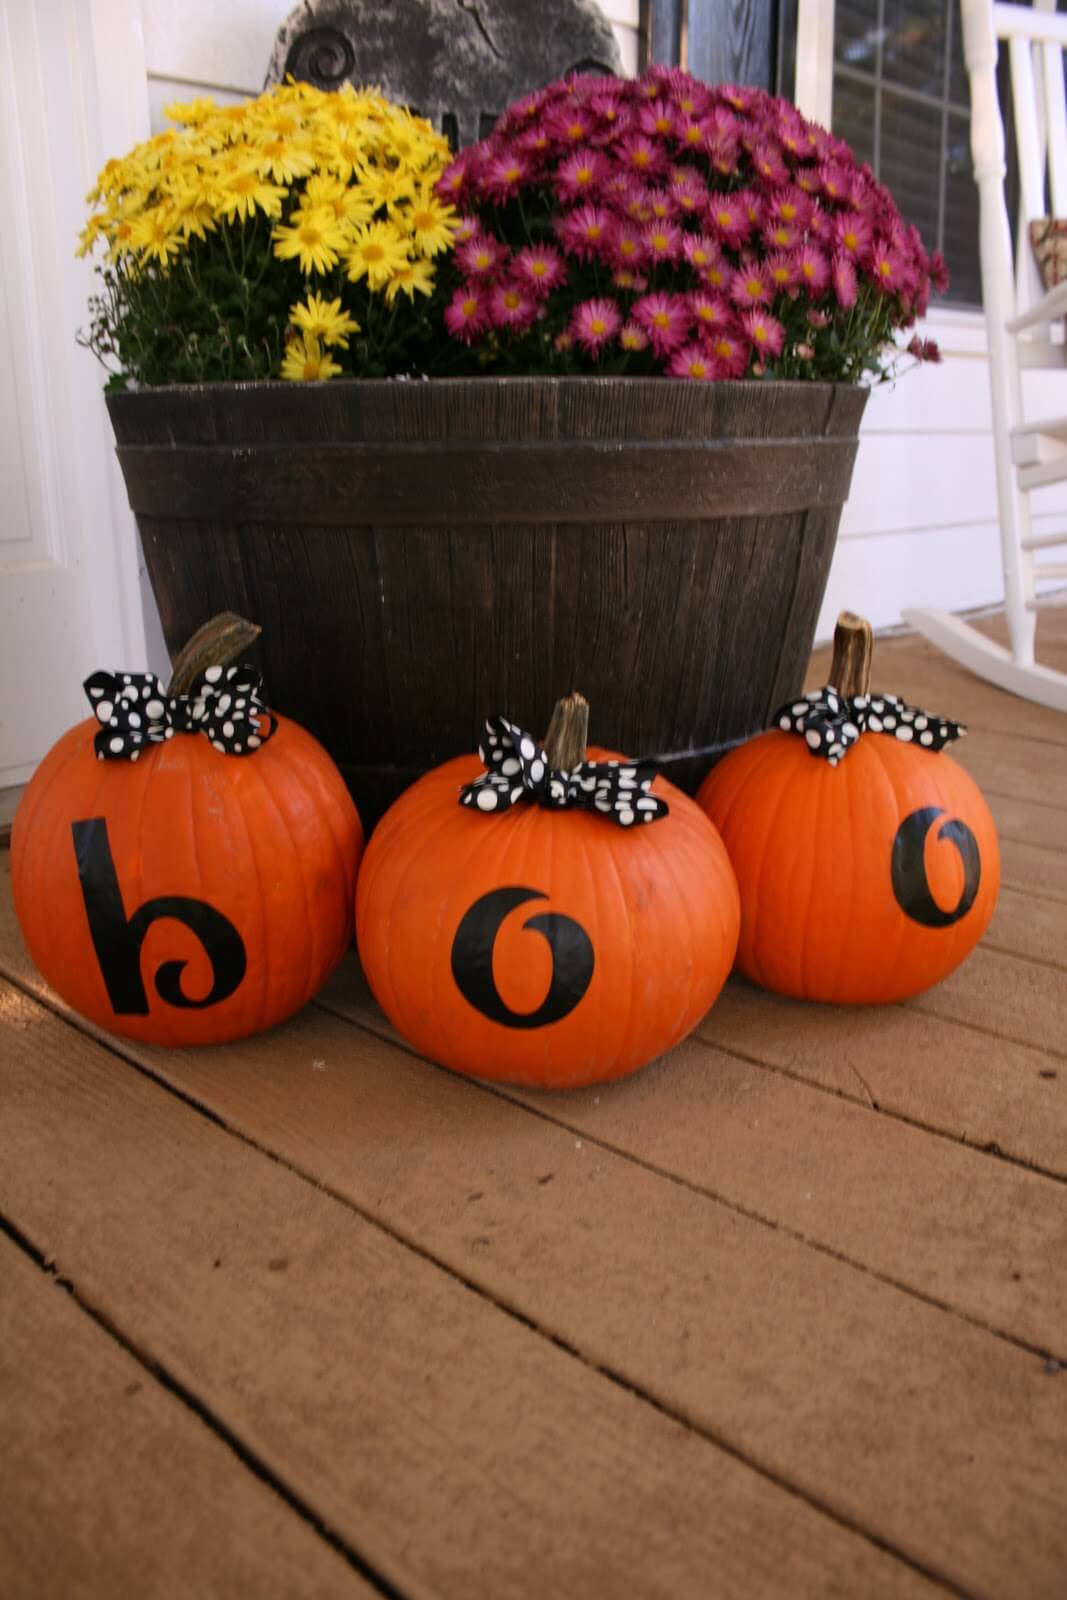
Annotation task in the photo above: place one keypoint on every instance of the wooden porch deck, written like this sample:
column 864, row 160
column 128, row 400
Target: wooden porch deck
column 784, row 1315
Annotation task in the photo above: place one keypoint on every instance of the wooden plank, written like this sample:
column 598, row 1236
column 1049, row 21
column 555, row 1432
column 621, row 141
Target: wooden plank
column 1020, row 769
column 421, row 1421
column 1035, row 870
column 783, row 1353
column 111, row 1486
column 1007, row 997
column 768, row 1123
column 928, row 1070
column 1024, row 925
column 1031, row 821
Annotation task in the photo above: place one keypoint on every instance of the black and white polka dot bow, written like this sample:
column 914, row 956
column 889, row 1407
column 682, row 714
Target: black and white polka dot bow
column 517, row 769
column 134, row 711
column 831, row 722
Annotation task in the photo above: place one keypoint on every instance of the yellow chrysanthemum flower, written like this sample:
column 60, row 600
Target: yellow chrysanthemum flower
column 156, row 235
column 378, row 251
column 386, row 186
column 191, row 112
column 323, row 319
column 414, row 278
column 315, row 237
column 306, row 362
column 283, row 159
column 431, row 222
column 243, row 192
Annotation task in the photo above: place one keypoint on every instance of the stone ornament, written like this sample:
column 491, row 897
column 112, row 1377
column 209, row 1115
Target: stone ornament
column 459, row 63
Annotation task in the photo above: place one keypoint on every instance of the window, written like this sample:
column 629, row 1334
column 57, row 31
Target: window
column 902, row 102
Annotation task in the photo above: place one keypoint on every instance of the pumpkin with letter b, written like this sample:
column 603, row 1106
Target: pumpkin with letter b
column 866, row 858
column 184, row 862
column 537, row 918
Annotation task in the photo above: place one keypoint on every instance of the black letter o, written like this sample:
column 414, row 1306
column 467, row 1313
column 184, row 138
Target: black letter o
column 910, row 884
column 472, row 959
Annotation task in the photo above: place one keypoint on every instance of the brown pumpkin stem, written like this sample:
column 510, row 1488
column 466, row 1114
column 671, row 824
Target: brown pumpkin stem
column 568, row 733
column 216, row 644
column 850, row 670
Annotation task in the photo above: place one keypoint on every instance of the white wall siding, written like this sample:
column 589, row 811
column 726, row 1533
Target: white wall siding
column 920, row 526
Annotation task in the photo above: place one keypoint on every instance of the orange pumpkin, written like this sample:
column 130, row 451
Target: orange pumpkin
column 186, row 896
column 864, row 880
column 542, row 945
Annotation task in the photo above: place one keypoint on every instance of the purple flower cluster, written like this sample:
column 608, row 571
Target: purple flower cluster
column 661, row 225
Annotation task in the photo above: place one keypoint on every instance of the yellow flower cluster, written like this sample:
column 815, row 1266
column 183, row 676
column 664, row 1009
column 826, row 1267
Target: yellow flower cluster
column 345, row 179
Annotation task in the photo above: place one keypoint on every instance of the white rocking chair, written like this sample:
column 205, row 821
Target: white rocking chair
column 1020, row 318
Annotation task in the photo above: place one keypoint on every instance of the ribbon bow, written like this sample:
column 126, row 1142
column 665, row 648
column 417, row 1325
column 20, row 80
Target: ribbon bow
column 134, row 710
column 517, row 769
column 831, row 722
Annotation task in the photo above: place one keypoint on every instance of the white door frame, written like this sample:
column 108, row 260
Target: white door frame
column 73, row 92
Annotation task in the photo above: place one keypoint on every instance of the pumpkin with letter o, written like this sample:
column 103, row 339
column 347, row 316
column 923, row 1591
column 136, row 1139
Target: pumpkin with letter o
column 184, row 862
column 866, row 858
column 538, row 918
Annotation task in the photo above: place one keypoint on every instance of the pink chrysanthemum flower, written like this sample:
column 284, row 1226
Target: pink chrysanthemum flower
column 887, row 267
column 586, row 232
column 710, row 311
column 730, row 352
column 924, row 349
column 689, row 133
column 511, row 306
column 563, row 341
column 781, row 269
column 640, row 156
column 663, row 242
column 843, row 277
column 666, row 320
column 749, row 285
column 853, row 232
column 939, row 272
column 779, row 235
column 539, row 269
column 728, row 220
column 657, row 119
column 689, row 197
column 534, row 142
column 628, row 248
column 635, row 202
column 807, row 180
column 568, row 123
column 812, row 269
column 594, row 322
column 791, row 205
column 764, row 332
column 465, row 315
column 454, row 184
column 467, row 228
column 633, row 337
column 504, row 175
column 660, row 205
column 692, row 361
column 700, row 250
column 580, row 175
column 625, row 278
column 833, row 181
column 480, row 257
column 767, row 160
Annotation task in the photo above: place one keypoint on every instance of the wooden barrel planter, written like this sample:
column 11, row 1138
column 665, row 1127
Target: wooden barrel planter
column 421, row 554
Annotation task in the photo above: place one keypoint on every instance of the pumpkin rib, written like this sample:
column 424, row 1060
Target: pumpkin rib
column 310, row 942
column 680, row 895
column 781, row 797
column 622, row 920
column 302, row 774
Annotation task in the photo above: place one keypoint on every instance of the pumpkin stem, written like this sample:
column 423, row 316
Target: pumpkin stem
column 850, row 670
column 568, row 733
column 216, row 644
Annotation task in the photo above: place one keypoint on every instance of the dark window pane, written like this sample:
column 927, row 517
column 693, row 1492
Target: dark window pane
column 961, row 217
column 854, row 115
column 913, row 49
column 959, row 88
column 856, row 33
column 909, row 164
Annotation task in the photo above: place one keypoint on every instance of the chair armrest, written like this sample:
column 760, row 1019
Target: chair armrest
column 1048, row 309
